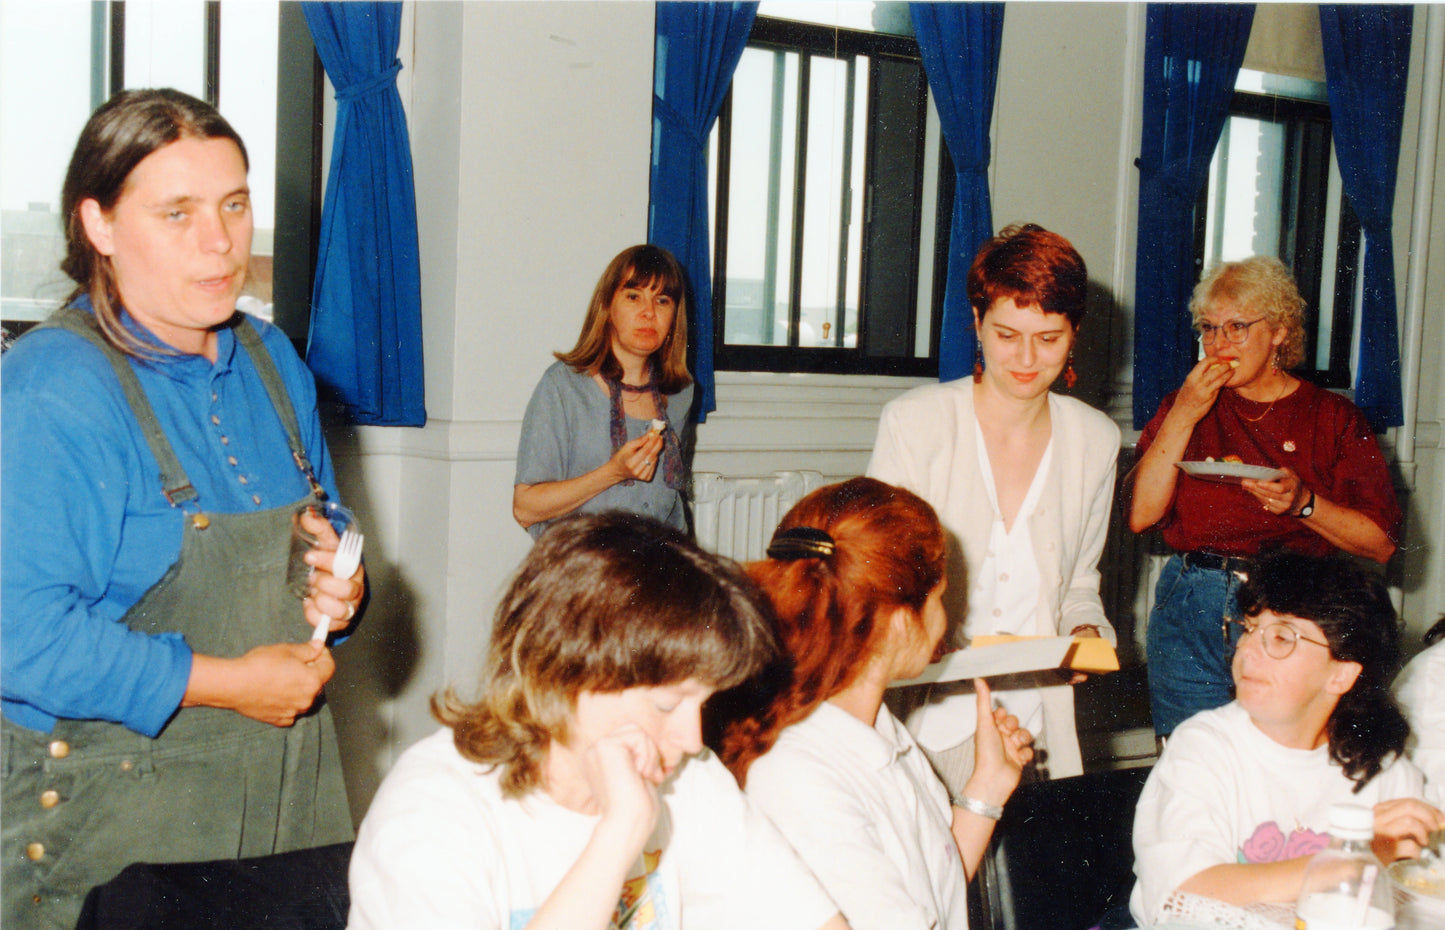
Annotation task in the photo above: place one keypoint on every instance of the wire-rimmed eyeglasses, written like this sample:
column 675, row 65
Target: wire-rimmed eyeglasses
column 1276, row 637
column 1236, row 331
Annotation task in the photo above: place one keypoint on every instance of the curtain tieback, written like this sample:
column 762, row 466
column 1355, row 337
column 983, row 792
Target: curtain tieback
column 677, row 120
column 371, row 85
column 975, row 167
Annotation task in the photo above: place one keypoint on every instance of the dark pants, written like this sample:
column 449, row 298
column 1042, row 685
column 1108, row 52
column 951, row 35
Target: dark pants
column 1189, row 659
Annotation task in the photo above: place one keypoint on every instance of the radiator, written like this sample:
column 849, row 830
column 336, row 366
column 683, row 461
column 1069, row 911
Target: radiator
column 736, row 517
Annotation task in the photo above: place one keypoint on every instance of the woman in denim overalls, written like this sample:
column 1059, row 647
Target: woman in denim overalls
column 162, row 698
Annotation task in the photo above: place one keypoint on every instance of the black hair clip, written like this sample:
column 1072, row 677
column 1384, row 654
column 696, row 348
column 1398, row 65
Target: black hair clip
column 801, row 542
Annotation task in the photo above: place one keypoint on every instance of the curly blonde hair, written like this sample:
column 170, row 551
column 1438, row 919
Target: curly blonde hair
column 1261, row 285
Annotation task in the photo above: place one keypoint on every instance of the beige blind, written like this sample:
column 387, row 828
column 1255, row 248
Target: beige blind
column 1285, row 39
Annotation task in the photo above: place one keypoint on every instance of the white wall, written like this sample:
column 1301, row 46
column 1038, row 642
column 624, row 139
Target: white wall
column 530, row 126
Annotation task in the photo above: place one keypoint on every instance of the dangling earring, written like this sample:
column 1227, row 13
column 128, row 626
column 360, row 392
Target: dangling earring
column 977, row 361
column 1071, row 377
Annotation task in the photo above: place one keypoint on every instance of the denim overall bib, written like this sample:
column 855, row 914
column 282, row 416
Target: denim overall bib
column 91, row 797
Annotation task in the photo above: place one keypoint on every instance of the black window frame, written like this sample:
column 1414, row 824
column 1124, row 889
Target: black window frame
column 1303, row 218
column 810, row 39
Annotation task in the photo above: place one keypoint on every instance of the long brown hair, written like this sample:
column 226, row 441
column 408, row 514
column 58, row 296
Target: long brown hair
column 831, row 610
column 118, row 136
column 603, row 602
column 639, row 266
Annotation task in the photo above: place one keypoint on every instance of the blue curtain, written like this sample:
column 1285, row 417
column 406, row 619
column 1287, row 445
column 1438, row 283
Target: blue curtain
column 365, row 343
column 959, row 44
column 698, row 47
column 1367, row 61
column 1192, row 54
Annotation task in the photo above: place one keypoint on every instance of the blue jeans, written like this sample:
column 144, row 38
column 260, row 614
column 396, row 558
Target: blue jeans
column 1188, row 656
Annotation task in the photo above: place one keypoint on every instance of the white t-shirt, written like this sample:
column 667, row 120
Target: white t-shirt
column 441, row 849
column 1223, row 792
column 1420, row 689
column 863, row 808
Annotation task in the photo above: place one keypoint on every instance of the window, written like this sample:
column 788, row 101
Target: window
column 832, row 202
column 253, row 60
column 1274, row 189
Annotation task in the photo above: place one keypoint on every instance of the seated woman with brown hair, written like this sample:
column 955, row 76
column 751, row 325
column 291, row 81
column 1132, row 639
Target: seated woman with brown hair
column 571, row 793
column 855, row 577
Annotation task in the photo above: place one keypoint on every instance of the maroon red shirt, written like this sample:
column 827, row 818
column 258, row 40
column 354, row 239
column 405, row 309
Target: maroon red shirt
column 1320, row 435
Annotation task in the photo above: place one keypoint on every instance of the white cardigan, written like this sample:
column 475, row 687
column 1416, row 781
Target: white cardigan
column 927, row 444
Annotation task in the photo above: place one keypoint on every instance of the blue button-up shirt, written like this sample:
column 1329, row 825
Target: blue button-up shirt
column 85, row 530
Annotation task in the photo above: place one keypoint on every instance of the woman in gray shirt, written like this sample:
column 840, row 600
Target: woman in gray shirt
column 606, row 415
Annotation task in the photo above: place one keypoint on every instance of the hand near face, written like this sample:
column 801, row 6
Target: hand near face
column 1002, row 750
column 1403, row 827
column 623, row 771
column 1202, row 386
column 638, row 459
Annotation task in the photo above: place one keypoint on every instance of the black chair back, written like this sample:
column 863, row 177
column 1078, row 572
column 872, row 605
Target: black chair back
column 1063, row 854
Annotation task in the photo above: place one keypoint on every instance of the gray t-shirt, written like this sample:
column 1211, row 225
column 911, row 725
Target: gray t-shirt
column 565, row 434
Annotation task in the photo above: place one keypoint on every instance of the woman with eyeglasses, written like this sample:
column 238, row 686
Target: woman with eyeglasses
column 1240, row 797
column 1240, row 403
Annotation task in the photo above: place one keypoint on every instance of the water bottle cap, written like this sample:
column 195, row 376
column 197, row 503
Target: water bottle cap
column 1352, row 821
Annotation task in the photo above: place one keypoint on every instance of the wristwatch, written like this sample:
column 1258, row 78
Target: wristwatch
column 1309, row 507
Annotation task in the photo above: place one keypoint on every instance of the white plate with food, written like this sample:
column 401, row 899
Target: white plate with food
column 1229, row 472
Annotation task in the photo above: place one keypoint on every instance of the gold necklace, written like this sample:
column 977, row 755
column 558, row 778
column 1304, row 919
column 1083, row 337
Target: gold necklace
column 1281, row 393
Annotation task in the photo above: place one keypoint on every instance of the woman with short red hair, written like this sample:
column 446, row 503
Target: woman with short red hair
column 1022, row 477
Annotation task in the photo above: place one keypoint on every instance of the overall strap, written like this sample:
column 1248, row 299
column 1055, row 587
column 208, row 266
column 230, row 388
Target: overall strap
column 174, row 483
column 250, row 340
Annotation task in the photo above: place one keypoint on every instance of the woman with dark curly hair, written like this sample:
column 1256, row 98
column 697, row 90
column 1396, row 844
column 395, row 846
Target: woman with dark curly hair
column 1240, row 797
column 855, row 577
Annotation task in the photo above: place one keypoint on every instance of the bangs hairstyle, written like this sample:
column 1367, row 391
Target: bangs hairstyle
column 1034, row 268
column 118, row 136
column 603, row 602
column 1351, row 606
column 1260, row 287
column 832, row 612
column 641, row 266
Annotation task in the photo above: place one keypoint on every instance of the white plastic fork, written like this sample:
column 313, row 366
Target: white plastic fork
column 343, row 565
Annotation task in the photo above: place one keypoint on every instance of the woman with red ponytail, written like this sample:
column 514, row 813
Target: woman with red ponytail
column 855, row 577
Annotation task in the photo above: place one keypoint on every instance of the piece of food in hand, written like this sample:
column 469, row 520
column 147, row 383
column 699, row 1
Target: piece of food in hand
column 657, row 426
column 1233, row 459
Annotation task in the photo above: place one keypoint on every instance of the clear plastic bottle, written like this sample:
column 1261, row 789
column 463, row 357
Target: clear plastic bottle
column 1345, row 887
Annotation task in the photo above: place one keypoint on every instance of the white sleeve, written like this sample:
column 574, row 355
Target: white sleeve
column 1082, row 604
column 835, row 836
column 740, row 871
column 1181, row 825
column 1421, row 693
column 890, row 461
column 424, row 858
